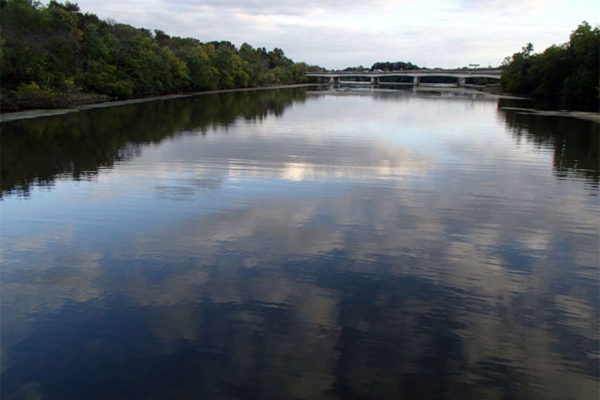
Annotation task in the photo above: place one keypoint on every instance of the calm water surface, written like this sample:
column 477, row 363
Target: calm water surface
column 301, row 244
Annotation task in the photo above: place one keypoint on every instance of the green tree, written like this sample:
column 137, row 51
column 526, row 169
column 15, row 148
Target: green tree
column 566, row 75
column 51, row 53
column 582, row 86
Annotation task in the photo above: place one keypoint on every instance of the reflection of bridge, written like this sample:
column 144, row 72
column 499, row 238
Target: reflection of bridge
column 416, row 74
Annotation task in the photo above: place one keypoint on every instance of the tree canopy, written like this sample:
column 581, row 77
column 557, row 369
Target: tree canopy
column 51, row 54
column 394, row 66
column 567, row 75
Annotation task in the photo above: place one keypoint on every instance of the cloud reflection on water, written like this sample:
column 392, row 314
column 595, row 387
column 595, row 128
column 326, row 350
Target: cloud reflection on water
column 306, row 265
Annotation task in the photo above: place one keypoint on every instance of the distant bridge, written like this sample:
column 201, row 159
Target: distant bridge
column 416, row 74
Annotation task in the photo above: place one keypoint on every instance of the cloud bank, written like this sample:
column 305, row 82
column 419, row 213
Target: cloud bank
column 337, row 34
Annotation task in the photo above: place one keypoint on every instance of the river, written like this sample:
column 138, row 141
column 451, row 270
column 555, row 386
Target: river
column 301, row 244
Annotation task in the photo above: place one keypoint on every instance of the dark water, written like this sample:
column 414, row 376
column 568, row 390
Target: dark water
column 294, row 244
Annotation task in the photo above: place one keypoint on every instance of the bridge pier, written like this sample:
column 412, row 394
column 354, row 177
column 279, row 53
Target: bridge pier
column 416, row 80
column 335, row 80
column 374, row 80
column 462, row 81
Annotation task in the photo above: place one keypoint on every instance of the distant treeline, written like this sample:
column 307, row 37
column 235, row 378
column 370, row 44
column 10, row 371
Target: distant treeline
column 394, row 66
column 54, row 55
column 385, row 66
column 567, row 75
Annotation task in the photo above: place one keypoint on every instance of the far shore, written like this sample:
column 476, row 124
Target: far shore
column 36, row 113
column 587, row 115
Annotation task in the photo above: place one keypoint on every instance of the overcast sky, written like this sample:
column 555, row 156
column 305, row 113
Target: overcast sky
column 337, row 34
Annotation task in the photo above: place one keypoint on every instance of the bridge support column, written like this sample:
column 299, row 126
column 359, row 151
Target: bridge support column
column 374, row 80
column 416, row 80
column 462, row 81
column 334, row 80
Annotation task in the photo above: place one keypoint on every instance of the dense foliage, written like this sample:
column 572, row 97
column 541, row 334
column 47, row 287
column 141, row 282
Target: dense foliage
column 385, row 66
column 567, row 75
column 54, row 54
column 393, row 66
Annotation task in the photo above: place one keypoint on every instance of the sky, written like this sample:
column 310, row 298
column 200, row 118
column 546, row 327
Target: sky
column 337, row 34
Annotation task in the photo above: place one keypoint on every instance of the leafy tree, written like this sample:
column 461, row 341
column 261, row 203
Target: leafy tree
column 394, row 66
column 566, row 75
column 54, row 55
column 582, row 85
column 516, row 75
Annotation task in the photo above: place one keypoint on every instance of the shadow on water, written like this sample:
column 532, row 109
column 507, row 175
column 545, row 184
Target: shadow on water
column 36, row 151
column 575, row 143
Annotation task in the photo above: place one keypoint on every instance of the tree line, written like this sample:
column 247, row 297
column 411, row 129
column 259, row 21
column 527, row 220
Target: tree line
column 54, row 55
column 394, row 66
column 566, row 75
column 386, row 66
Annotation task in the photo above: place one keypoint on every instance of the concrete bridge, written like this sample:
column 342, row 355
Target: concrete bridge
column 460, row 74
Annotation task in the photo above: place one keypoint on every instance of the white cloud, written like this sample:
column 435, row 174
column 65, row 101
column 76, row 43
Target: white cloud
column 503, row 6
column 278, row 7
column 336, row 34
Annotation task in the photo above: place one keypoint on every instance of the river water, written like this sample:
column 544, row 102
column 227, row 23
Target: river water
column 301, row 244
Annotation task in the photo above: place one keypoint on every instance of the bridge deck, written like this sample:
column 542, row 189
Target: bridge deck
column 457, row 73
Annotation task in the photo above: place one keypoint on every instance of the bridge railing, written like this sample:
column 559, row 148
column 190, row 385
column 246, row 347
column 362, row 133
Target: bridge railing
column 414, row 71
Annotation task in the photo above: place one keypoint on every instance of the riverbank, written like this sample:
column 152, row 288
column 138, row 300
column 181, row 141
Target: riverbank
column 488, row 91
column 93, row 102
column 496, row 92
column 12, row 116
column 590, row 116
